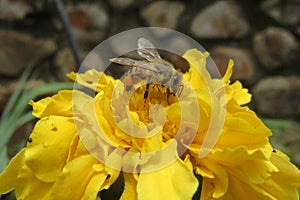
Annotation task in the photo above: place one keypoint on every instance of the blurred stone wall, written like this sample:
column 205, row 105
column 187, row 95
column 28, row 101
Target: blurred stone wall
column 261, row 36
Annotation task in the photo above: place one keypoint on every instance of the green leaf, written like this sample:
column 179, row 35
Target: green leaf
column 3, row 159
column 14, row 115
column 285, row 137
column 14, row 97
column 16, row 118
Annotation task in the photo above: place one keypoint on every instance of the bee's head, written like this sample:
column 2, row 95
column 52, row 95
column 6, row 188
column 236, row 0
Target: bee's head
column 176, row 82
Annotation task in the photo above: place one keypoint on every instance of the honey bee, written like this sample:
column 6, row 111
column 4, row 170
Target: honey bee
column 154, row 70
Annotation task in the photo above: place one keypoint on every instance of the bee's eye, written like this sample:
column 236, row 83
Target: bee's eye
column 176, row 79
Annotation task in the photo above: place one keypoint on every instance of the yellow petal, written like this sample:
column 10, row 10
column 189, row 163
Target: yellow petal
column 204, row 172
column 283, row 184
column 79, row 178
column 245, row 129
column 93, row 186
column 240, row 95
column 76, row 148
column 104, row 118
column 48, row 151
column 93, row 79
column 129, row 187
column 236, row 189
column 243, row 190
column 175, row 181
column 207, row 189
column 237, row 162
column 113, row 176
column 153, row 143
column 9, row 177
column 59, row 104
column 228, row 74
column 220, row 181
column 29, row 187
column 198, row 76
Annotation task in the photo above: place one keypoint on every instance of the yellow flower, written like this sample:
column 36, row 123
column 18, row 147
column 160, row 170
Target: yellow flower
column 55, row 163
column 242, row 163
column 82, row 142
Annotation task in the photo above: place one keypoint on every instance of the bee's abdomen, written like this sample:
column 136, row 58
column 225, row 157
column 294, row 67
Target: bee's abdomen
column 135, row 75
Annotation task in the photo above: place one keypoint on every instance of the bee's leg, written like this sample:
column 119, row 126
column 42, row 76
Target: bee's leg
column 180, row 90
column 146, row 93
column 168, row 94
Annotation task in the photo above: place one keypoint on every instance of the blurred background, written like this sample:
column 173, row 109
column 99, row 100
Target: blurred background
column 262, row 36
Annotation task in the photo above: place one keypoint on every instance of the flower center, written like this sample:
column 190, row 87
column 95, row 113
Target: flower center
column 156, row 94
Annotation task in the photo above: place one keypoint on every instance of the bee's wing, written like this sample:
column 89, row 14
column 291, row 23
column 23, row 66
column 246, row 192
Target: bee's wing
column 134, row 63
column 147, row 50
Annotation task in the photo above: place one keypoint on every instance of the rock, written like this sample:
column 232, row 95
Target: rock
column 274, row 47
column 18, row 50
column 18, row 9
column 163, row 14
column 87, row 16
column 13, row 10
column 121, row 4
column 278, row 96
column 244, row 68
column 222, row 19
column 97, row 61
column 285, row 12
column 118, row 47
column 180, row 43
column 89, row 22
column 65, row 62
